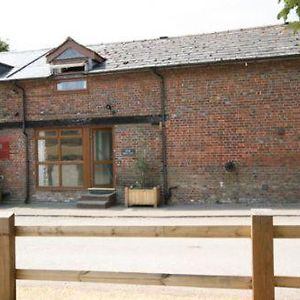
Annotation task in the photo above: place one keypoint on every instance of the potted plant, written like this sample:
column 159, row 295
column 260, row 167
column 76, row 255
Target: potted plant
column 139, row 194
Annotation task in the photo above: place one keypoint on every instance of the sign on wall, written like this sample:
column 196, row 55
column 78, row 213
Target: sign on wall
column 128, row 152
column 4, row 148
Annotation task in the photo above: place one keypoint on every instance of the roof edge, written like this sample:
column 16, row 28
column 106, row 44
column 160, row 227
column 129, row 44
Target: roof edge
column 175, row 66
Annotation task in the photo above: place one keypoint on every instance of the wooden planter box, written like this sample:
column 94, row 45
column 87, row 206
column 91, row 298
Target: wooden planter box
column 142, row 196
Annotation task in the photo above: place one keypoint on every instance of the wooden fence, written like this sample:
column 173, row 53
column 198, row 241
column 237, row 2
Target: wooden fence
column 262, row 232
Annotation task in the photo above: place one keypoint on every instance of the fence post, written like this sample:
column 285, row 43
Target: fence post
column 7, row 258
column 262, row 257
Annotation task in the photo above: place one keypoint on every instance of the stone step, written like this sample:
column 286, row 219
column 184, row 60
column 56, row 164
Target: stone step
column 94, row 204
column 96, row 200
column 97, row 196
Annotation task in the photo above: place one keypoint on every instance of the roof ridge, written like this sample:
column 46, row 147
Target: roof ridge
column 156, row 39
column 190, row 35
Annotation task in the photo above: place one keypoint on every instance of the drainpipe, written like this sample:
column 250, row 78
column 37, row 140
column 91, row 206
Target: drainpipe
column 26, row 179
column 163, row 100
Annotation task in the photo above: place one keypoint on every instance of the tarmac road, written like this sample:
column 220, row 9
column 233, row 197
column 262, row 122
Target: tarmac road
column 154, row 255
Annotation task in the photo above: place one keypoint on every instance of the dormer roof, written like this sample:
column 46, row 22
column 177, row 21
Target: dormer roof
column 71, row 50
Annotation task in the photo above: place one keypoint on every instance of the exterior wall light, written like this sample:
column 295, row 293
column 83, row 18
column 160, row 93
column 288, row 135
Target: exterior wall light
column 110, row 108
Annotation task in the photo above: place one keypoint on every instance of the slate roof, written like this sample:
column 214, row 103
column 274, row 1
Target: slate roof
column 244, row 44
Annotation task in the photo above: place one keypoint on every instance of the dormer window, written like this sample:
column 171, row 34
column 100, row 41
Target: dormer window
column 71, row 57
column 73, row 69
column 70, row 68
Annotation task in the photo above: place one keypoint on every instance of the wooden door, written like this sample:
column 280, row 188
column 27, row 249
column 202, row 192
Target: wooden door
column 102, row 158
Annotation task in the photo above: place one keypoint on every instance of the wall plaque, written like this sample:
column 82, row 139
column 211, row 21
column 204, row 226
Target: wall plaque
column 128, row 152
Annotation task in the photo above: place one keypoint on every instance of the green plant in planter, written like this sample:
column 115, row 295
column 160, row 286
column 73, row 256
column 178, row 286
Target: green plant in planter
column 140, row 193
column 142, row 167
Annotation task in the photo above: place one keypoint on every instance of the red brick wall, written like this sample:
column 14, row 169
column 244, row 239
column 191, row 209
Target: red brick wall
column 129, row 94
column 10, row 103
column 13, row 169
column 248, row 114
column 146, row 139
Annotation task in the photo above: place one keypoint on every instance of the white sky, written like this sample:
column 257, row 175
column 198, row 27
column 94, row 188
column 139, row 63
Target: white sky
column 35, row 24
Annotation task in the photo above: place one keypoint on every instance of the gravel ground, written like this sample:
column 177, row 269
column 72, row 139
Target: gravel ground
column 88, row 291
column 71, row 291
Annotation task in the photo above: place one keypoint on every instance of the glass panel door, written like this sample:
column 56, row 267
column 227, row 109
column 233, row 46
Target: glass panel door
column 102, row 158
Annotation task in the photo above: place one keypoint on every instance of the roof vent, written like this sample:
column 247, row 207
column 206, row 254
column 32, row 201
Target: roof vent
column 163, row 37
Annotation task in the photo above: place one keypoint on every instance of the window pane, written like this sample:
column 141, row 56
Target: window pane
column 72, row 175
column 103, row 175
column 71, row 149
column 71, row 132
column 103, row 145
column 71, row 85
column 48, row 175
column 44, row 133
column 47, row 150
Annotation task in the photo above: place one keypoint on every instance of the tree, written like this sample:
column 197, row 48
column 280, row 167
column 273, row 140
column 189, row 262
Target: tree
column 290, row 5
column 3, row 46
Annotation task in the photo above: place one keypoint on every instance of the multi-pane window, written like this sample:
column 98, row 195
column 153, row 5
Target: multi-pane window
column 60, row 158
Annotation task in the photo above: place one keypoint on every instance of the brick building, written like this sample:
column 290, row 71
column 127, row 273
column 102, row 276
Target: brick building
column 216, row 115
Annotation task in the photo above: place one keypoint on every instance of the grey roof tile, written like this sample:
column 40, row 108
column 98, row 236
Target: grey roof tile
column 251, row 43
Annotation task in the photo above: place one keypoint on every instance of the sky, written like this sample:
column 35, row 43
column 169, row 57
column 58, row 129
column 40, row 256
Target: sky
column 39, row 24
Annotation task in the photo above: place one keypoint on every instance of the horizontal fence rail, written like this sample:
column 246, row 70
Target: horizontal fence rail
column 282, row 231
column 137, row 231
column 262, row 233
column 202, row 281
column 225, row 282
column 287, row 282
column 287, row 232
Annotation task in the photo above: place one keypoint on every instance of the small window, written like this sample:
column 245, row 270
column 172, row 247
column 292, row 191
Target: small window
column 73, row 69
column 72, row 85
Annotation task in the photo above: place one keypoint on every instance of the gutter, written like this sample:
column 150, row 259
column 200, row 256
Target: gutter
column 163, row 100
column 26, row 143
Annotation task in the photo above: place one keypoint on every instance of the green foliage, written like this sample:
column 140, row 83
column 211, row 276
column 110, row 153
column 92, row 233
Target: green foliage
column 3, row 46
column 142, row 167
column 290, row 5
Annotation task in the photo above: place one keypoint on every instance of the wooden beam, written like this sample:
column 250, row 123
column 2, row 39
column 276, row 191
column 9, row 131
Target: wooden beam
column 226, row 282
column 287, row 282
column 262, row 258
column 137, row 231
column 148, row 119
column 7, row 258
column 287, row 232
